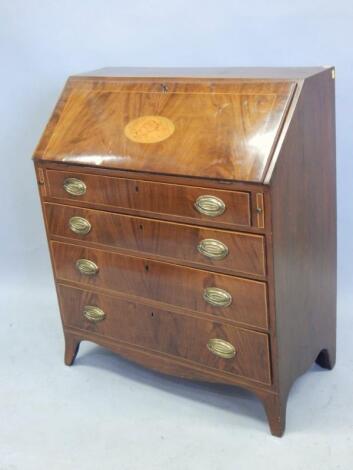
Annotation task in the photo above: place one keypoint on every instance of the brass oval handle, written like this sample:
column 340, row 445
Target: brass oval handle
column 87, row 267
column 79, row 225
column 210, row 205
column 221, row 348
column 217, row 297
column 213, row 249
column 93, row 314
column 74, row 186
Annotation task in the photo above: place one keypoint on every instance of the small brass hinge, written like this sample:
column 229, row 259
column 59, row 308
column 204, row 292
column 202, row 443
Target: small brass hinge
column 333, row 71
column 41, row 182
column 260, row 215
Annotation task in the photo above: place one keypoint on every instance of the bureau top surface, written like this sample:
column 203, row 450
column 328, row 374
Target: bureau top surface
column 213, row 123
column 291, row 73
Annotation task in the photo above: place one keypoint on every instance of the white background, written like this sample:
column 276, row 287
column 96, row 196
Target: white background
column 105, row 413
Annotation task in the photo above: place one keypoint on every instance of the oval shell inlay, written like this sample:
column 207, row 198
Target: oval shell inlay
column 149, row 129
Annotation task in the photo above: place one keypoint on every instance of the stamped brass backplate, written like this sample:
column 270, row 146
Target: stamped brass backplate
column 149, row 129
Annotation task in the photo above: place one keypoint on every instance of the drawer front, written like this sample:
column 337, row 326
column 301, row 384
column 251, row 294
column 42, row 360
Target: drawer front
column 187, row 202
column 210, row 343
column 225, row 296
column 219, row 249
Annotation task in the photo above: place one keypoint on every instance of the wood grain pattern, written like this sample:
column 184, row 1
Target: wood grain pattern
column 175, row 242
column 168, row 333
column 207, row 184
column 191, row 181
column 149, row 197
column 167, row 283
column 265, row 145
column 223, row 130
column 303, row 194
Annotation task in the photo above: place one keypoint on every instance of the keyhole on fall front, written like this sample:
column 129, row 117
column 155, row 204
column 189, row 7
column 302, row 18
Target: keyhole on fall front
column 152, row 314
column 147, row 268
column 141, row 227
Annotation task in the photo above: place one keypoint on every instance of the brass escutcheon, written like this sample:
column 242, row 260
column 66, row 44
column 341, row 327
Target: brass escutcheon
column 213, row 249
column 217, row 297
column 74, row 186
column 79, row 225
column 210, row 205
column 87, row 267
column 221, row 348
column 93, row 314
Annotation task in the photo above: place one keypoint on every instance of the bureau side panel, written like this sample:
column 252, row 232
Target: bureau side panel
column 303, row 196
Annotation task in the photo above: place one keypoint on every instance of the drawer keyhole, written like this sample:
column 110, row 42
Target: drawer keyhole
column 147, row 268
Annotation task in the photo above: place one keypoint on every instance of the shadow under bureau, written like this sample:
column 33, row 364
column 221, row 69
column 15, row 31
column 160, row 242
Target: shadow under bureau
column 191, row 220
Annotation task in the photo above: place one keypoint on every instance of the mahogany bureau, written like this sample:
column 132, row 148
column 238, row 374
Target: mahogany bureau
column 191, row 220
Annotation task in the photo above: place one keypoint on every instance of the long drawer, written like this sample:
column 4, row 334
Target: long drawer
column 229, row 297
column 158, row 199
column 210, row 343
column 233, row 252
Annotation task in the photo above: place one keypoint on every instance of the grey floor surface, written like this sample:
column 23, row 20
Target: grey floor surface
column 107, row 413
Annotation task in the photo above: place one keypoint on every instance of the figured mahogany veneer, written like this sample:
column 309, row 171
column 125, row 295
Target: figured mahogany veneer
column 149, row 197
column 173, row 242
column 173, row 334
column 191, row 219
column 217, row 126
column 163, row 282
